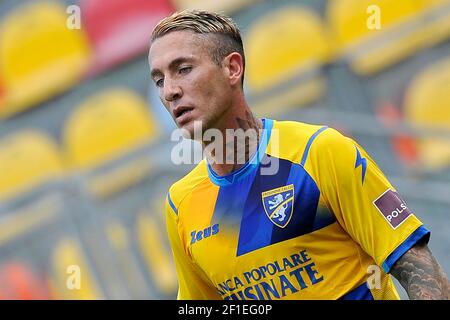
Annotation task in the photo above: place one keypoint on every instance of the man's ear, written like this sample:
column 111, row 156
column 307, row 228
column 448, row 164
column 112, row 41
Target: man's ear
column 234, row 64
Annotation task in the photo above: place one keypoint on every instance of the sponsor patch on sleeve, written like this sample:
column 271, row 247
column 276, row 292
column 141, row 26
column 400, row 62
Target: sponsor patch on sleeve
column 393, row 208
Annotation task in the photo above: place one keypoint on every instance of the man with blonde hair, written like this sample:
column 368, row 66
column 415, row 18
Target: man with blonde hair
column 306, row 214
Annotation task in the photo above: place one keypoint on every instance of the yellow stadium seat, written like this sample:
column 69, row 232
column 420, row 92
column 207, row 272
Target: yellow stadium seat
column 427, row 105
column 437, row 26
column 369, row 49
column 156, row 254
column 285, row 50
column 229, row 6
column 39, row 55
column 105, row 126
column 71, row 276
column 27, row 159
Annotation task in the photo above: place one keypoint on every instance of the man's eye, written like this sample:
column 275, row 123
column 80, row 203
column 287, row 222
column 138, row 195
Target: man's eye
column 185, row 69
column 159, row 83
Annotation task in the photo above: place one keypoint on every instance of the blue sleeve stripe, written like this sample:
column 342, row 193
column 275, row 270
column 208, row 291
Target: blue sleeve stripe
column 308, row 145
column 362, row 292
column 418, row 234
column 171, row 204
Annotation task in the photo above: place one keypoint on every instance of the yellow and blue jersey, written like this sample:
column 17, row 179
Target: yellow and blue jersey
column 308, row 217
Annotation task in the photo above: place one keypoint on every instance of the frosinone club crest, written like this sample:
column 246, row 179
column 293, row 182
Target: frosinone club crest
column 279, row 204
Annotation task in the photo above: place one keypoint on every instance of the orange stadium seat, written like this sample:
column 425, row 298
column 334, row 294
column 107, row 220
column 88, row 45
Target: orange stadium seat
column 27, row 158
column 285, row 51
column 121, row 29
column 2, row 95
column 368, row 49
column 19, row 282
column 106, row 126
column 427, row 105
column 39, row 55
column 229, row 6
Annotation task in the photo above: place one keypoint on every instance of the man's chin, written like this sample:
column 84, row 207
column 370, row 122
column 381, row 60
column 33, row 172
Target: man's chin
column 191, row 130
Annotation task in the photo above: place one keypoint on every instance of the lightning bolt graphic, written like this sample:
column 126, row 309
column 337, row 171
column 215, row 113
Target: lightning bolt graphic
column 360, row 161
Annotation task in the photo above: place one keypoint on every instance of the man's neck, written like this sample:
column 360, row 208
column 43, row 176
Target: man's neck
column 241, row 135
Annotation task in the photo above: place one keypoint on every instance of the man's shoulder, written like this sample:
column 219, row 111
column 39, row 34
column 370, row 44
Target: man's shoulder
column 296, row 130
column 296, row 126
column 181, row 188
column 292, row 139
column 307, row 131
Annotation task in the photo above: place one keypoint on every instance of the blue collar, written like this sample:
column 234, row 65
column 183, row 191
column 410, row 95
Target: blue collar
column 250, row 165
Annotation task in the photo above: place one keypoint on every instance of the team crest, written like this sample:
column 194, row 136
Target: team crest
column 279, row 204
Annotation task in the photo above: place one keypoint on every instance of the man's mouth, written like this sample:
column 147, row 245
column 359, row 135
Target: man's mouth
column 181, row 111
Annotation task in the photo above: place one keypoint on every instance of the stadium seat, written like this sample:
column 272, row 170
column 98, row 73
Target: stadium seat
column 65, row 255
column 120, row 237
column 285, row 50
column 106, row 126
column 2, row 95
column 156, row 252
column 229, row 6
column 39, row 55
column 121, row 29
column 427, row 105
column 27, row 159
column 19, row 282
column 369, row 50
column 437, row 26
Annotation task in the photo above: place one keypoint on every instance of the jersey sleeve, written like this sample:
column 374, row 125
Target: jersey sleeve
column 191, row 285
column 364, row 202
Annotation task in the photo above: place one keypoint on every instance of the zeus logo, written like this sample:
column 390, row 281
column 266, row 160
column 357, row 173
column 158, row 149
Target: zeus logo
column 205, row 233
column 360, row 161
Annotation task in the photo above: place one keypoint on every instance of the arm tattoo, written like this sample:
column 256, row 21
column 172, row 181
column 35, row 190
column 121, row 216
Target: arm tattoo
column 421, row 275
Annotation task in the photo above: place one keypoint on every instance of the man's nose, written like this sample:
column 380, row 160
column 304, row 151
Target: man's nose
column 172, row 91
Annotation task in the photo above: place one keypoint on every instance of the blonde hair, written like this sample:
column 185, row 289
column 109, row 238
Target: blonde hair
column 225, row 34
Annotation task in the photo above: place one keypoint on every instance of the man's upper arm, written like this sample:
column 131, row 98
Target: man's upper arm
column 364, row 202
column 421, row 275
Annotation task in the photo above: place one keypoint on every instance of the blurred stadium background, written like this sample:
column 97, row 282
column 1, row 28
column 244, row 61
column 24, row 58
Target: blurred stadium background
column 84, row 140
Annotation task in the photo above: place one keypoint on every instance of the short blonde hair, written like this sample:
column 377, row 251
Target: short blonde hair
column 226, row 36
